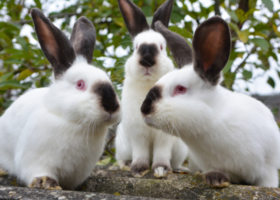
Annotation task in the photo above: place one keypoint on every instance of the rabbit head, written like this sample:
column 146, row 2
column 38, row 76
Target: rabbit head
column 149, row 60
column 183, row 98
column 80, row 92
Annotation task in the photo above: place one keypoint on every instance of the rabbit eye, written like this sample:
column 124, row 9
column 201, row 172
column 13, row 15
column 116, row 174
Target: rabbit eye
column 161, row 47
column 179, row 90
column 136, row 46
column 81, row 85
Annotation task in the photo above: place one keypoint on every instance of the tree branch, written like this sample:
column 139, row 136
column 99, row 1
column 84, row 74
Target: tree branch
column 243, row 62
column 217, row 7
column 253, row 50
column 60, row 15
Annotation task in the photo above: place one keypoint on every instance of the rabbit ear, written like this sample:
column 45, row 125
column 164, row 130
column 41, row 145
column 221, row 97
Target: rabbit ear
column 54, row 43
column 163, row 13
column 83, row 38
column 211, row 45
column 134, row 18
column 180, row 49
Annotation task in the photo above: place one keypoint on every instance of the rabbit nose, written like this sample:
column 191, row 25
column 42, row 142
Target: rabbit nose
column 153, row 96
column 148, row 53
column 108, row 97
column 147, row 60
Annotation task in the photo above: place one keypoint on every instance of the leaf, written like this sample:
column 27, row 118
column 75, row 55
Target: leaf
column 271, row 82
column 275, row 111
column 243, row 35
column 13, row 84
column 229, row 79
column 24, row 74
column 261, row 43
column 268, row 4
column 247, row 74
column 38, row 4
column 228, row 66
column 233, row 15
column 7, row 76
column 104, row 162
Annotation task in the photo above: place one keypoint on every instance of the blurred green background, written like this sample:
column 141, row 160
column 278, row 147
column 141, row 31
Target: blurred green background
column 254, row 27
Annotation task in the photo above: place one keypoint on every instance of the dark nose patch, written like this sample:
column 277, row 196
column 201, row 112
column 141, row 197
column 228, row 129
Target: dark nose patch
column 148, row 53
column 108, row 97
column 153, row 96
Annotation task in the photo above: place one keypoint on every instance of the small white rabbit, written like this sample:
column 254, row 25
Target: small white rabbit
column 52, row 137
column 231, row 137
column 136, row 141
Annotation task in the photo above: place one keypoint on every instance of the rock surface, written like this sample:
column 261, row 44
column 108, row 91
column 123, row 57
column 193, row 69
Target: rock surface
column 115, row 184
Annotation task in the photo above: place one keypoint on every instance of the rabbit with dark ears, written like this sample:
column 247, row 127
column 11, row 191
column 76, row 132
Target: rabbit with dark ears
column 136, row 142
column 231, row 137
column 52, row 137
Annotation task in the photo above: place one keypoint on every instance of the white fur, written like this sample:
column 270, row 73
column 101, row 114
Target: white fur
column 57, row 131
column 135, row 140
column 223, row 129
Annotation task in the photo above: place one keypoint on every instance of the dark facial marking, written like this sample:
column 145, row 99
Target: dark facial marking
column 108, row 97
column 147, row 54
column 153, row 96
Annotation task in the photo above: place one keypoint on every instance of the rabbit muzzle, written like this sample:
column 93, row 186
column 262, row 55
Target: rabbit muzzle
column 148, row 106
column 148, row 53
column 108, row 97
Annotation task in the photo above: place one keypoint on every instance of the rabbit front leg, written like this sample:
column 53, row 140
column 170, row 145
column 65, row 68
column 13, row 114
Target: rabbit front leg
column 123, row 150
column 141, row 156
column 45, row 182
column 162, row 155
column 217, row 179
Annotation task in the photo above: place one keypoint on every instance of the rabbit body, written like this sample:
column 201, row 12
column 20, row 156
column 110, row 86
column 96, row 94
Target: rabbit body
column 224, row 130
column 52, row 137
column 135, row 140
column 43, row 134
column 231, row 136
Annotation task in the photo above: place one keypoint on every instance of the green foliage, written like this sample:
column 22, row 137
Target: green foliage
column 24, row 66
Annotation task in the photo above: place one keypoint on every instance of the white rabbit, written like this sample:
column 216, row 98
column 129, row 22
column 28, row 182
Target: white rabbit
column 52, row 137
column 231, row 137
column 136, row 141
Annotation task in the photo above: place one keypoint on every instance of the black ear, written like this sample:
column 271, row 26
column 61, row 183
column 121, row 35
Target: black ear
column 134, row 18
column 211, row 45
column 163, row 13
column 55, row 45
column 180, row 49
column 83, row 38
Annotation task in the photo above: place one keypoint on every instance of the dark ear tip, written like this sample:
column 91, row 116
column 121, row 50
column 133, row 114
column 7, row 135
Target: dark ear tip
column 84, row 20
column 217, row 19
column 36, row 12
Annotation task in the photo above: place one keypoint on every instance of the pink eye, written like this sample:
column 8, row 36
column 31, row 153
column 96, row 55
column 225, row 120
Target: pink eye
column 161, row 47
column 81, row 85
column 179, row 90
column 136, row 46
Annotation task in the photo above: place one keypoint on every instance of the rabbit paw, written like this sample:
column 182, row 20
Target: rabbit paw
column 124, row 165
column 139, row 170
column 3, row 172
column 217, row 179
column 161, row 170
column 45, row 182
column 181, row 169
